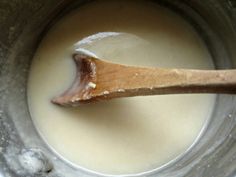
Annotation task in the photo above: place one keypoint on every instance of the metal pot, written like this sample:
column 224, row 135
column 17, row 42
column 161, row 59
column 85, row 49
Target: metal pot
column 24, row 153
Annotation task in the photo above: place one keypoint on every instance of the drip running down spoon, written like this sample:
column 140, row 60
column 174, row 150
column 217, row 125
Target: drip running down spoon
column 100, row 80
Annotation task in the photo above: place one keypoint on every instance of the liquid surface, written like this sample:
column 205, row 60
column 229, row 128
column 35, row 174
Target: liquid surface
column 128, row 135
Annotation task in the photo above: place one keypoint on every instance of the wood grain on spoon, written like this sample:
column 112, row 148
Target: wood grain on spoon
column 100, row 80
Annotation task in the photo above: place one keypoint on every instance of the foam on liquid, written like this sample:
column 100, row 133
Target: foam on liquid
column 128, row 135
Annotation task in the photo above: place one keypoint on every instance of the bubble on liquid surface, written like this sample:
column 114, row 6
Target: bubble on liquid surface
column 34, row 161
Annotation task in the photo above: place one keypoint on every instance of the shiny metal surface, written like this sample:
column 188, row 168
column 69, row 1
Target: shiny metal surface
column 22, row 151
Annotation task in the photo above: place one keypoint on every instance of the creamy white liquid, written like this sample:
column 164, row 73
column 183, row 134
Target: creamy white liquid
column 127, row 135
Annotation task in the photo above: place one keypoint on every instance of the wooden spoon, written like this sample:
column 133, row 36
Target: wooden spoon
column 100, row 80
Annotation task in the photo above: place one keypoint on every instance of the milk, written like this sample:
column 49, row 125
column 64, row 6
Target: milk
column 127, row 135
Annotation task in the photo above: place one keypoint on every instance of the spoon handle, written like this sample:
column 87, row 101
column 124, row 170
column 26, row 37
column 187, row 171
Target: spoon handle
column 170, row 81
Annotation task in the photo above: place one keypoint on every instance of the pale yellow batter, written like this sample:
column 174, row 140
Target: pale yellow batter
column 128, row 135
